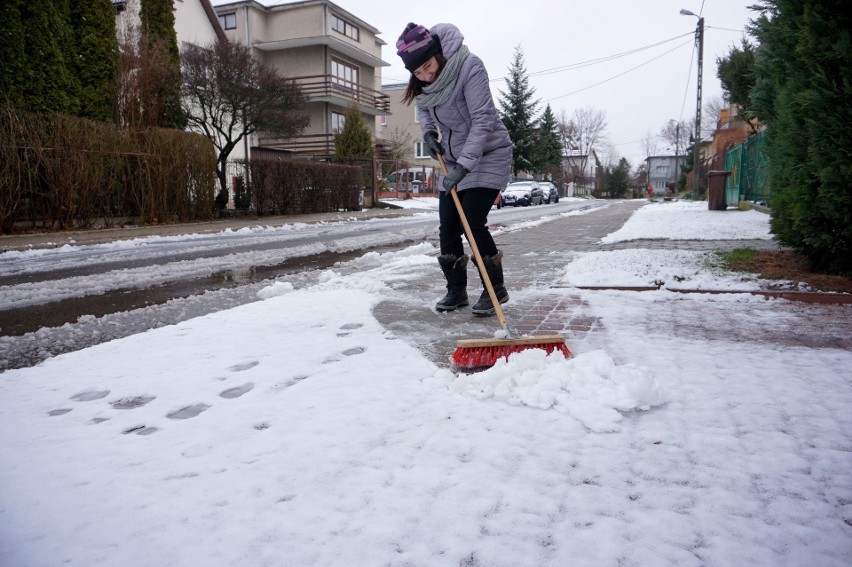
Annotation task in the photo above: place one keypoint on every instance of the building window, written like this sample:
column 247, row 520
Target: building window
column 338, row 24
column 344, row 75
column 662, row 170
column 416, row 114
column 228, row 21
column 420, row 150
column 383, row 120
column 338, row 121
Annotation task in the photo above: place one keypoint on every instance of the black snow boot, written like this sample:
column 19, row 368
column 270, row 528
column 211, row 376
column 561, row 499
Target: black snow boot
column 455, row 270
column 494, row 268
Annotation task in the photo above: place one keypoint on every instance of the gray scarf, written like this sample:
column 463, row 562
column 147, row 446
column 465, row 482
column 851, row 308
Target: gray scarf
column 440, row 90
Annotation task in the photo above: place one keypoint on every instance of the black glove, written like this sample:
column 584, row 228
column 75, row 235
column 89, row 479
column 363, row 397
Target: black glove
column 455, row 174
column 434, row 147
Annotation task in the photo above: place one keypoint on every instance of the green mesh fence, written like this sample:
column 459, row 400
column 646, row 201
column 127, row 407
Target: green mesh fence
column 748, row 180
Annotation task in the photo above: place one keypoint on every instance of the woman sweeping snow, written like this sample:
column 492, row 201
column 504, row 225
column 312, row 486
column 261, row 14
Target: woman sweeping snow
column 460, row 122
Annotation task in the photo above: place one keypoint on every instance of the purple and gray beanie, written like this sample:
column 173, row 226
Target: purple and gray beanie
column 416, row 45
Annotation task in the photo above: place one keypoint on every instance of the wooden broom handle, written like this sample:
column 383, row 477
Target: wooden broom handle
column 479, row 262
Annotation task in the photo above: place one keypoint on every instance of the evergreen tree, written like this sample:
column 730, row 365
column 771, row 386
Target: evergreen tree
column 354, row 144
column 158, row 30
column 354, row 141
column 548, row 151
column 619, row 179
column 803, row 93
column 12, row 53
column 45, row 83
column 736, row 73
column 518, row 111
column 97, row 62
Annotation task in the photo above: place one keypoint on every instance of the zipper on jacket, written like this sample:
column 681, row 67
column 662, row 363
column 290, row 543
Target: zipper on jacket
column 449, row 133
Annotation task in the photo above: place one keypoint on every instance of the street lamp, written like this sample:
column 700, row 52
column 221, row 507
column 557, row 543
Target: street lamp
column 699, row 40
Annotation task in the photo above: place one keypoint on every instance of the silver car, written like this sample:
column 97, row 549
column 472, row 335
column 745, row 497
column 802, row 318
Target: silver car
column 551, row 193
column 522, row 194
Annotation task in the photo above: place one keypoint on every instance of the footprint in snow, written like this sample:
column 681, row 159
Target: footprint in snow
column 244, row 366
column 140, row 430
column 231, row 393
column 132, row 402
column 90, row 395
column 54, row 413
column 188, row 412
column 349, row 327
column 287, row 383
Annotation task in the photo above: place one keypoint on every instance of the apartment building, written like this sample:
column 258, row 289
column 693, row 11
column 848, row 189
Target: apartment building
column 334, row 56
column 401, row 129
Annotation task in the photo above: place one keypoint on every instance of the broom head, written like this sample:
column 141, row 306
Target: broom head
column 477, row 353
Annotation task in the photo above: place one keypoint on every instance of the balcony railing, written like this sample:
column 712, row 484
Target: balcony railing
column 330, row 87
column 309, row 144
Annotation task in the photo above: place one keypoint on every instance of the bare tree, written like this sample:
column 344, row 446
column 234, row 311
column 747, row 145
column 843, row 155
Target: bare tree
column 583, row 132
column 677, row 134
column 399, row 144
column 229, row 95
column 650, row 144
column 712, row 112
column 143, row 76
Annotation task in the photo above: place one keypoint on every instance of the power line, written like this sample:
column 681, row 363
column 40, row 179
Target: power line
column 598, row 60
column 620, row 74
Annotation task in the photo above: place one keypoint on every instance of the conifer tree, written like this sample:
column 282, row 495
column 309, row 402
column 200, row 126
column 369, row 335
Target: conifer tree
column 548, row 151
column 45, row 84
column 518, row 111
column 354, row 140
column 803, row 93
column 12, row 54
column 354, row 144
column 96, row 66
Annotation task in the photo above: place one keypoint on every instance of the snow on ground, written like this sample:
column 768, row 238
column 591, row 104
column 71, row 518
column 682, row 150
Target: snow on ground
column 679, row 220
column 427, row 203
column 691, row 220
column 298, row 431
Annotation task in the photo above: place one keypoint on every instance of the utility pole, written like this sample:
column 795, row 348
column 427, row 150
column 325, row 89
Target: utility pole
column 699, row 41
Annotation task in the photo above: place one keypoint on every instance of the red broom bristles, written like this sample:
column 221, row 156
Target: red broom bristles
column 481, row 356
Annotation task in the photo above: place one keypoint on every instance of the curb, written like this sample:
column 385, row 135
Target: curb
column 800, row 296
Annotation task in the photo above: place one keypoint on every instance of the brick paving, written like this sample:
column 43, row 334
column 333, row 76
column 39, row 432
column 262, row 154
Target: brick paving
column 549, row 308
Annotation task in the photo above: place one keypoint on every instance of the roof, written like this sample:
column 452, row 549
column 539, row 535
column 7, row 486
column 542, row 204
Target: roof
column 214, row 20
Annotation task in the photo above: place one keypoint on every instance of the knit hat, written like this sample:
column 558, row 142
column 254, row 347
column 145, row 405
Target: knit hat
column 416, row 45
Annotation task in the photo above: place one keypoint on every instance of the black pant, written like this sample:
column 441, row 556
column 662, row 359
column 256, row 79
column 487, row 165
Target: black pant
column 476, row 204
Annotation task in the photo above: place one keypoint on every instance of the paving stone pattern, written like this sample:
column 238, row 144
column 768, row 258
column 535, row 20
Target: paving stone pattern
column 534, row 260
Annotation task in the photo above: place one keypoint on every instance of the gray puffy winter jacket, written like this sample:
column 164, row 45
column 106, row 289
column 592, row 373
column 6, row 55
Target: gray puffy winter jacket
column 472, row 133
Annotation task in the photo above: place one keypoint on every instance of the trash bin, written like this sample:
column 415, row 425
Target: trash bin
column 716, row 190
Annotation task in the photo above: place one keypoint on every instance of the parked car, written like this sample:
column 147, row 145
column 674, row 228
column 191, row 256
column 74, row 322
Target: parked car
column 522, row 194
column 414, row 179
column 551, row 193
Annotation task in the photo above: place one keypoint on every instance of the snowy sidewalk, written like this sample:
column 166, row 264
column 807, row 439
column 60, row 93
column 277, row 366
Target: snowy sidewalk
column 322, row 426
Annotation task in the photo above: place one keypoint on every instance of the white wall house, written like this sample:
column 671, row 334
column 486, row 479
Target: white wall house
column 663, row 170
column 196, row 23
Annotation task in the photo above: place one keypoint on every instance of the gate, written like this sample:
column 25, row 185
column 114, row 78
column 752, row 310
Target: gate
column 749, row 180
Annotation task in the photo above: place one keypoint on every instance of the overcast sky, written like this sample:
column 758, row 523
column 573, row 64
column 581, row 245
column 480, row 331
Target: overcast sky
column 635, row 61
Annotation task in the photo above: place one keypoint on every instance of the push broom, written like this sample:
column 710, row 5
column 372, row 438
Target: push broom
column 474, row 353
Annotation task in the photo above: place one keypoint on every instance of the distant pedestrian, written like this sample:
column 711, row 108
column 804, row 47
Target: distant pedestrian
column 650, row 192
column 459, row 121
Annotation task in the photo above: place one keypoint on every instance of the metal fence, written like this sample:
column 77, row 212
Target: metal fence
column 747, row 163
